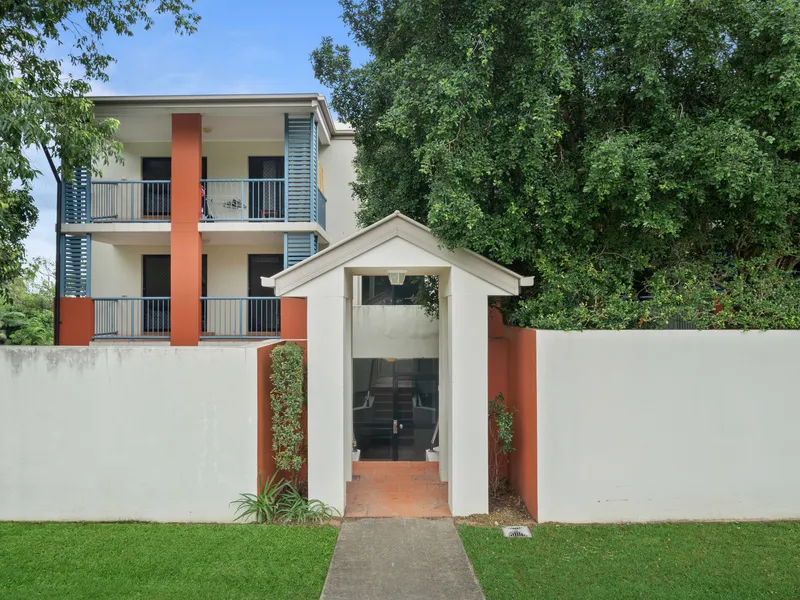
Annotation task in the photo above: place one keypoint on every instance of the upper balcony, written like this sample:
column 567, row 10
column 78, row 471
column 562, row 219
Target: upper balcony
column 262, row 169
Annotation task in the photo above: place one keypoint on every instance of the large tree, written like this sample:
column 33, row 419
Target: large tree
column 618, row 150
column 50, row 52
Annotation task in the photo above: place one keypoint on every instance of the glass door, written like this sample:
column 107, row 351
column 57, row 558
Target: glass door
column 395, row 408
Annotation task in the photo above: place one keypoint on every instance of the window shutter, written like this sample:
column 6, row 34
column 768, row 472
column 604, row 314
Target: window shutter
column 77, row 197
column 75, row 265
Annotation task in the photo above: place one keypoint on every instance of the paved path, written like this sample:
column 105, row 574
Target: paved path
column 408, row 559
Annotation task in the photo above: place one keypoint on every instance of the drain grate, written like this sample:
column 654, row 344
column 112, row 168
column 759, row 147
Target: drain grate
column 517, row 531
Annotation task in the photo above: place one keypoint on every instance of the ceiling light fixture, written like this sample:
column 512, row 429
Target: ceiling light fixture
column 397, row 277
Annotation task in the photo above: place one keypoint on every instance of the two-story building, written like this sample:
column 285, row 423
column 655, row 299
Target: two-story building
column 213, row 193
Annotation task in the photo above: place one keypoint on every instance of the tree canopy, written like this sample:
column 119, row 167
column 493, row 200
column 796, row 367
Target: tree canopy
column 50, row 52
column 638, row 157
column 26, row 306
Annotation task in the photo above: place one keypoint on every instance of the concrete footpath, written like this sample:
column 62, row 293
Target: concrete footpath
column 409, row 559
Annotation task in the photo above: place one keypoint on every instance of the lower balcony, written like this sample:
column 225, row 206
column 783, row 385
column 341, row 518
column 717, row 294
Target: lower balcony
column 223, row 318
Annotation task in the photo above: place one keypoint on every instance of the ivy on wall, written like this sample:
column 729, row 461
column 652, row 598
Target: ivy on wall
column 286, row 400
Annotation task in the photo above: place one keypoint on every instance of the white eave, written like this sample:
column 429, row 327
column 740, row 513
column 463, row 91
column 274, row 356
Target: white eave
column 112, row 105
column 395, row 225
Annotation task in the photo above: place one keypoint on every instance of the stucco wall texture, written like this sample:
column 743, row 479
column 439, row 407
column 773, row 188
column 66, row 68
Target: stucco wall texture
column 127, row 432
column 646, row 426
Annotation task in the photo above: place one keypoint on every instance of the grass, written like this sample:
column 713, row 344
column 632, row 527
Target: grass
column 132, row 560
column 730, row 561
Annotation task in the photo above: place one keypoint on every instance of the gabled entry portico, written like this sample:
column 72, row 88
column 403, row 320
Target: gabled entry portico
column 466, row 280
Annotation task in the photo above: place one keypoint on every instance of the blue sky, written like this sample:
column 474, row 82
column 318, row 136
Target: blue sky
column 241, row 46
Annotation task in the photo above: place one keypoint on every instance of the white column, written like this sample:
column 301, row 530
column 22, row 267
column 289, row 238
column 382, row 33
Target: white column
column 326, row 399
column 348, row 390
column 444, row 387
column 469, row 388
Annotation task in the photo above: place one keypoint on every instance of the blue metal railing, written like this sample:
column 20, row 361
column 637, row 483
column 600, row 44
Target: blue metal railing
column 130, row 201
column 131, row 318
column 243, row 199
column 241, row 317
column 322, row 209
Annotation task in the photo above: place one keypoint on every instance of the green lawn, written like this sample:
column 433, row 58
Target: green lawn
column 736, row 561
column 132, row 560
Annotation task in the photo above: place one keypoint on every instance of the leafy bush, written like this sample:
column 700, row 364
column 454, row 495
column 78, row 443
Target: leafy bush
column 280, row 502
column 613, row 150
column 26, row 306
column 501, row 429
column 286, row 400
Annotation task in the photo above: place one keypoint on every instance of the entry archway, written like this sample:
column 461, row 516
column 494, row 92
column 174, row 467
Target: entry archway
column 466, row 281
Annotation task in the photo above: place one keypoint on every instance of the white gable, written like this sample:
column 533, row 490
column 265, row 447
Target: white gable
column 395, row 242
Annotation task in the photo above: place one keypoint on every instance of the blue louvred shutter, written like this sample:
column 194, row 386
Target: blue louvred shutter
column 75, row 265
column 77, row 197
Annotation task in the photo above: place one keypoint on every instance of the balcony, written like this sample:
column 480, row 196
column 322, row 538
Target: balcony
column 223, row 318
column 129, row 201
column 244, row 199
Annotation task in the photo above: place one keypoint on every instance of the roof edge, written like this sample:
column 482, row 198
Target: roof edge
column 212, row 99
column 397, row 215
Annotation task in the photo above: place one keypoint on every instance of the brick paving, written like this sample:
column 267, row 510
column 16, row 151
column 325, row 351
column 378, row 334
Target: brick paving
column 396, row 489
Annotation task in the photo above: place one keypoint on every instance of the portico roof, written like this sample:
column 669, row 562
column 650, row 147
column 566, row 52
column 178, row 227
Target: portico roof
column 396, row 225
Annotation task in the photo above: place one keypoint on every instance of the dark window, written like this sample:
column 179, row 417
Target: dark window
column 266, row 197
column 156, row 283
column 263, row 315
column 378, row 290
column 157, row 197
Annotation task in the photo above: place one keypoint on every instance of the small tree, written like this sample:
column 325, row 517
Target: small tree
column 501, row 425
column 286, row 400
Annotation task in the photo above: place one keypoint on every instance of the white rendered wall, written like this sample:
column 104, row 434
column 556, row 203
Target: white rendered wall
column 117, row 270
column 336, row 161
column 394, row 332
column 225, row 160
column 668, row 425
column 118, row 433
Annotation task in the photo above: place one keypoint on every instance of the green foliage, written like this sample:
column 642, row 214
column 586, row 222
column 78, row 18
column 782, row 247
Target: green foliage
column 43, row 100
column 26, row 306
column 280, row 502
column 286, row 400
column 615, row 150
column 261, row 507
column 501, row 438
column 503, row 418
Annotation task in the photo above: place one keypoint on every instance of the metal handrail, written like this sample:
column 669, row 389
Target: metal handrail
column 243, row 199
column 130, row 201
column 240, row 317
column 146, row 317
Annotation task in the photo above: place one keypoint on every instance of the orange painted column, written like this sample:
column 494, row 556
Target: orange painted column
column 265, row 459
column 186, row 249
column 522, row 374
column 293, row 319
column 76, row 326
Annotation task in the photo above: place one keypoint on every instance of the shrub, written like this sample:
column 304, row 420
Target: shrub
column 501, row 426
column 286, row 400
column 280, row 502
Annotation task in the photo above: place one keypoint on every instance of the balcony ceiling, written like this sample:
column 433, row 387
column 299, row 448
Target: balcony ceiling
column 220, row 123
